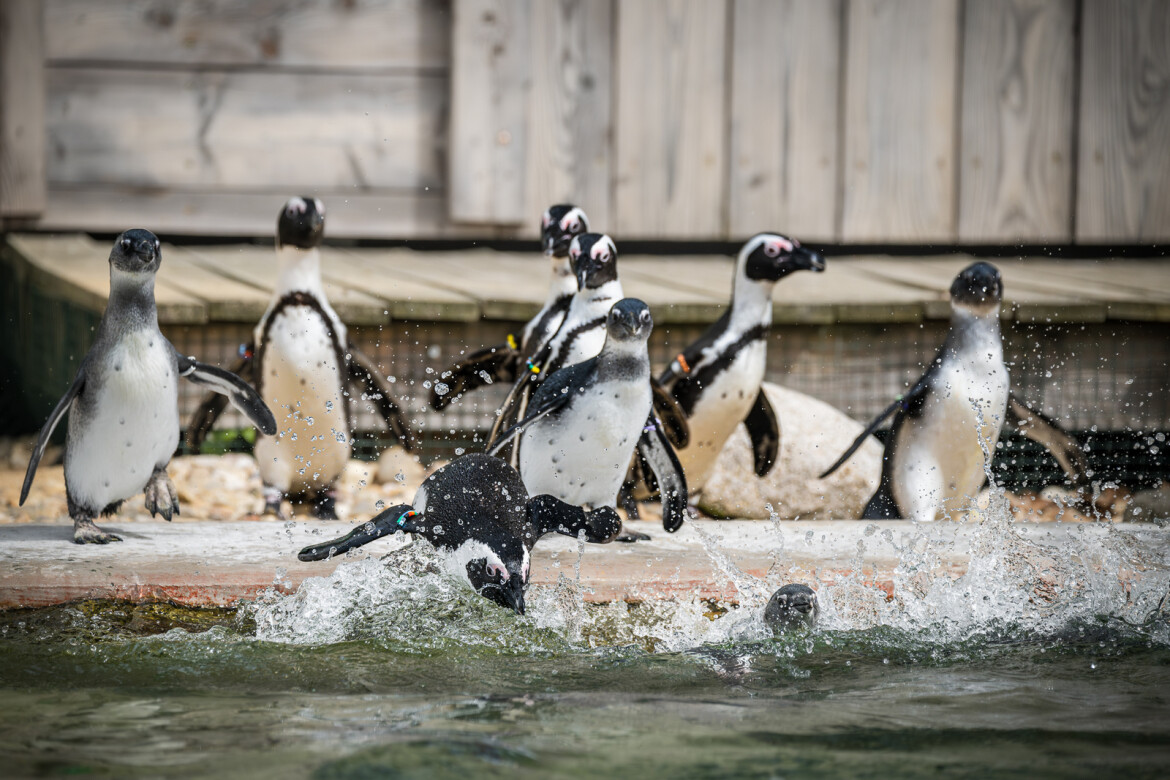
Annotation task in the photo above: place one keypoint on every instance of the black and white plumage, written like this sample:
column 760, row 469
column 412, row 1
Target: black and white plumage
column 302, row 363
column 716, row 381
column 585, row 420
column 123, row 403
column 558, row 226
column 945, row 429
column 477, row 511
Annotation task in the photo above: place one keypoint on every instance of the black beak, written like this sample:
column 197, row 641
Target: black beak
column 514, row 594
column 808, row 259
column 582, row 273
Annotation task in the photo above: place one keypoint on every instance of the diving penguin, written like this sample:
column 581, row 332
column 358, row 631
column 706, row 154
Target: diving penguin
column 477, row 511
column 586, row 419
column 124, row 402
column 945, row 428
column 304, row 365
column 558, row 226
column 716, row 381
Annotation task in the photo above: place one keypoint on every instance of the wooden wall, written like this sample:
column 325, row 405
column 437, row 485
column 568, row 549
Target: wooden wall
column 883, row 121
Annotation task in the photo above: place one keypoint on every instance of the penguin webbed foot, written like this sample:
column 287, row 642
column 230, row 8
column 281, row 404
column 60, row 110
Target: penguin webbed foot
column 629, row 537
column 161, row 496
column 85, row 531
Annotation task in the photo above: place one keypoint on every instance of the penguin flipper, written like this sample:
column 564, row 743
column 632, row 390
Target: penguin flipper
column 553, row 394
column 508, row 413
column 673, row 418
column 763, row 427
column 899, row 403
column 47, row 430
column 239, row 392
column 480, row 368
column 363, row 371
column 212, row 406
column 548, row 514
column 655, row 448
column 386, row 523
column 1044, row 430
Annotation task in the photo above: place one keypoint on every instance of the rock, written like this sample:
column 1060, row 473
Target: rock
column 812, row 436
column 396, row 466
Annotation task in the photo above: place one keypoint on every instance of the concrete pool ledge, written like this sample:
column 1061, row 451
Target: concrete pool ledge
column 206, row 563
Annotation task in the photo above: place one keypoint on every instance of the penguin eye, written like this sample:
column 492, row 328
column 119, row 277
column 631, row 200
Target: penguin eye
column 571, row 227
column 545, row 220
column 126, row 244
column 156, row 245
column 772, row 250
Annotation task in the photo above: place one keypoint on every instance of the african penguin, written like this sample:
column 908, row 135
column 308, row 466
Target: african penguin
column 717, row 380
column 123, row 403
column 945, row 429
column 477, row 511
column 558, row 226
column 303, row 365
column 586, row 419
column 790, row 606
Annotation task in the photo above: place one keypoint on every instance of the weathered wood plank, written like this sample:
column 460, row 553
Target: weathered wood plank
column 570, row 132
column 318, row 33
column 785, row 84
column 399, row 278
column 1017, row 121
column 22, row 109
column 1123, row 182
column 490, row 84
column 226, row 299
column 244, row 130
column 900, row 120
column 670, row 177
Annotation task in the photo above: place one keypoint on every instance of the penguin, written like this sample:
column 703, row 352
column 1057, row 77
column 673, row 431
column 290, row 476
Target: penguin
column 791, row 606
column 558, row 226
column 477, row 511
column 716, row 381
column 123, row 404
column 301, row 361
column 586, row 419
column 946, row 427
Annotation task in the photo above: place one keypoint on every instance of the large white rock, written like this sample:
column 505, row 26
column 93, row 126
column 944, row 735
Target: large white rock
column 812, row 436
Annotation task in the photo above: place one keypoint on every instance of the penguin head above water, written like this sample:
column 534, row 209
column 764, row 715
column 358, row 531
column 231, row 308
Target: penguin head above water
column 769, row 257
column 301, row 223
column 629, row 320
column 559, row 225
column 792, row 605
column 136, row 252
column 496, row 567
column 594, row 258
column 978, row 289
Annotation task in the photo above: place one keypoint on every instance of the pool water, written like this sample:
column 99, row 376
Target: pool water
column 391, row 668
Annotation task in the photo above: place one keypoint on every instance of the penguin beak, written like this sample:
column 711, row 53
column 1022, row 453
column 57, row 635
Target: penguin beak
column 514, row 594
column 582, row 273
column 808, row 259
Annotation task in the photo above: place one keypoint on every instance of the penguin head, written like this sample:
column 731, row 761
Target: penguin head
column 769, row 257
column 629, row 320
column 594, row 259
column 301, row 223
column 978, row 289
column 497, row 569
column 792, row 605
column 559, row 225
column 136, row 252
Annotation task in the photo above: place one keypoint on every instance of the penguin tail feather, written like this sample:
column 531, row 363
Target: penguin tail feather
column 385, row 523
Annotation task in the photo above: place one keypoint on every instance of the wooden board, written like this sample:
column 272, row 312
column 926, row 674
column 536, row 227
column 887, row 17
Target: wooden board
column 237, row 131
column 226, row 299
column 409, row 34
column 785, row 128
column 570, row 112
column 397, row 277
column 1123, row 182
column 900, row 121
column 22, row 109
column 671, row 169
column 490, row 83
column 1016, row 147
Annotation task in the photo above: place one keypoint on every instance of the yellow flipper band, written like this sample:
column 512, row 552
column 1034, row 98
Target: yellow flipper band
column 512, row 342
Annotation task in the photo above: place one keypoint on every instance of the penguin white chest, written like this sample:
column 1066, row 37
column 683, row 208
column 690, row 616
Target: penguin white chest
column 129, row 426
column 301, row 381
column 581, row 455
column 721, row 406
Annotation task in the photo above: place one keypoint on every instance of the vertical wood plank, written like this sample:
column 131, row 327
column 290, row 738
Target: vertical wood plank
column 570, row 133
column 490, row 81
column 785, row 84
column 22, row 109
column 900, row 120
column 1015, row 179
column 671, row 168
column 1123, row 180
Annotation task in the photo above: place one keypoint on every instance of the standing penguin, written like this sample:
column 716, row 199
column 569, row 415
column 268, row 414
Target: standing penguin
column 477, row 510
column 945, row 428
column 716, row 381
column 124, row 402
column 558, row 226
column 586, row 419
column 304, row 365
